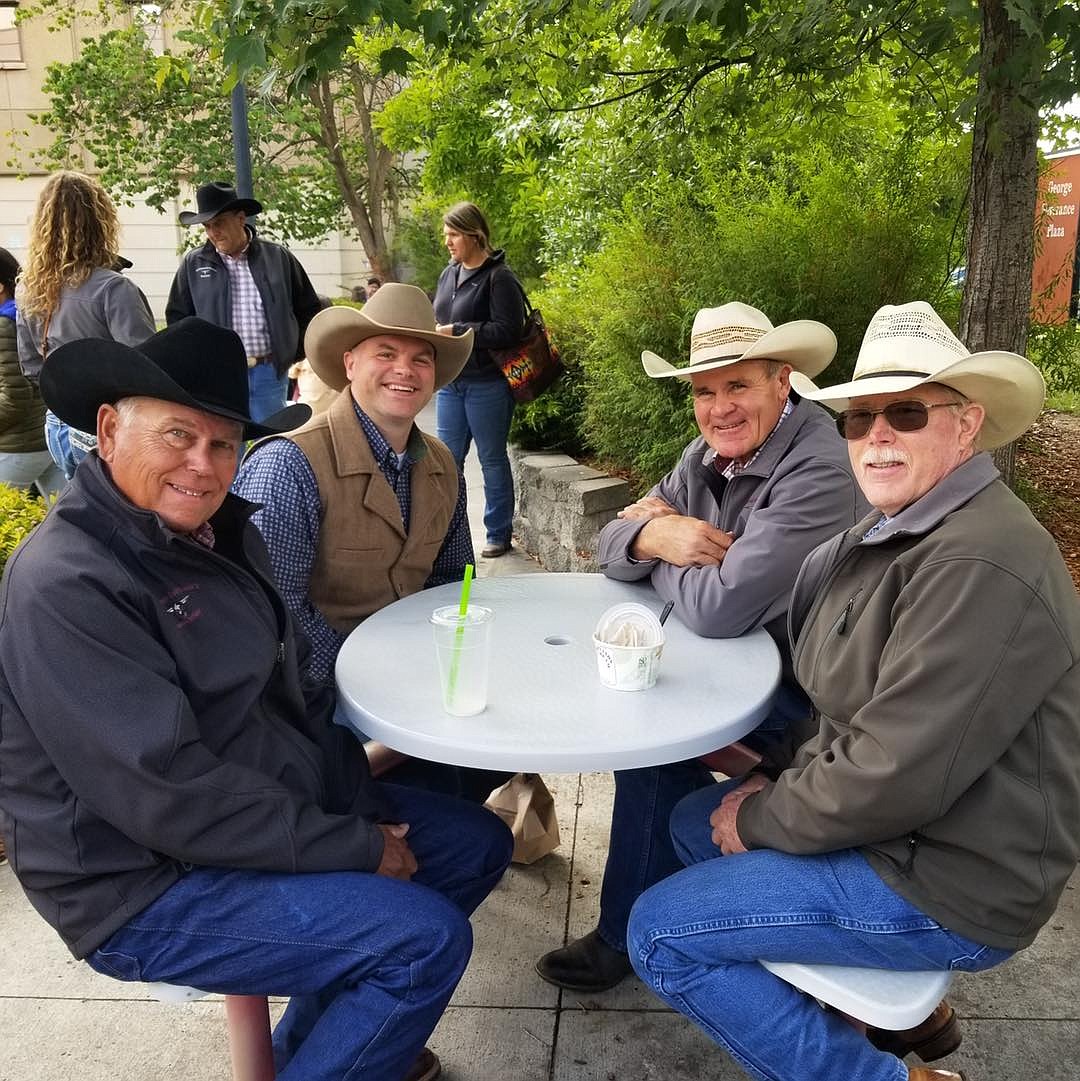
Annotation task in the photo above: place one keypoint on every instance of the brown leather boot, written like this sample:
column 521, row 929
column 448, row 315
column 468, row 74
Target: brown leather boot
column 939, row 1035
column 920, row 1073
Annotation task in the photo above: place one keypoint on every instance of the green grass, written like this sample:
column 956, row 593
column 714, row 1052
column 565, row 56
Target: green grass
column 1064, row 401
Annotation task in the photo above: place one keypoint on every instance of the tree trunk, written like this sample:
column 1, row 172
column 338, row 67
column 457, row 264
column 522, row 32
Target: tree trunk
column 1004, row 188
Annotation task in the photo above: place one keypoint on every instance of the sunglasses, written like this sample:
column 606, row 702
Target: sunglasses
column 902, row 417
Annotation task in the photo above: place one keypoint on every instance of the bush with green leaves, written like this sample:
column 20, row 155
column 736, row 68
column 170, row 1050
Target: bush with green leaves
column 1055, row 350
column 805, row 235
column 19, row 513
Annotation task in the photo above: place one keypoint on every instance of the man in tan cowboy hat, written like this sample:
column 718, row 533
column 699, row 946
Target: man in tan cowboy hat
column 722, row 536
column 930, row 823
column 250, row 285
column 176, row 800
column 361, row 477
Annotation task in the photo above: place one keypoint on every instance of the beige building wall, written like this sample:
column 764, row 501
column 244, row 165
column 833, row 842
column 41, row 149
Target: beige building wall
column 150, row 240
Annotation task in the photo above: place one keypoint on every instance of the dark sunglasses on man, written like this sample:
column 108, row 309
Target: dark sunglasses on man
column 902, row 417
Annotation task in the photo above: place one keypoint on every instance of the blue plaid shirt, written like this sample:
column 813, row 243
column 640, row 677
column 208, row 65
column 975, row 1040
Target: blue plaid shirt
column 279, row 476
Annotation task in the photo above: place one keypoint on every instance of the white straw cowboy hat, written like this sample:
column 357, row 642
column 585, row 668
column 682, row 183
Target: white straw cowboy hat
column 394, row 309
column 907, row 345
column 735, row 332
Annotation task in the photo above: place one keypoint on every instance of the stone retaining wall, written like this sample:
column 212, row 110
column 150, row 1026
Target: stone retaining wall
column 561, row 506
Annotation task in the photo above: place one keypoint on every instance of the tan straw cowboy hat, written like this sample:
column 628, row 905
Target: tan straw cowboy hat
column 735, row 332
column 907, row 345
column 395, row 309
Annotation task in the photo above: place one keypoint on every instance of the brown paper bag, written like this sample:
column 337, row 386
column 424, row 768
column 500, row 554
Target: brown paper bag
column 525, row 805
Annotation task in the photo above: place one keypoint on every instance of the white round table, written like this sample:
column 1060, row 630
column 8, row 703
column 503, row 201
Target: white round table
column 547, row 710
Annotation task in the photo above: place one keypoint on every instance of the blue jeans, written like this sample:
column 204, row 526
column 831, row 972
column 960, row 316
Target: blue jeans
column 696, row 939
column 640, row 852
column 68, row 446
column 481, row 410
column 369, row 962
column 34, row 467
column 266, row 391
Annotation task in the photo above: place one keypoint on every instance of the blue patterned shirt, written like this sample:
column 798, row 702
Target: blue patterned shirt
column 278, row 475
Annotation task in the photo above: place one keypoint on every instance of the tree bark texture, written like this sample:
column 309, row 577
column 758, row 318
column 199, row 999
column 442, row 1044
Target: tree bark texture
column 1004, row 186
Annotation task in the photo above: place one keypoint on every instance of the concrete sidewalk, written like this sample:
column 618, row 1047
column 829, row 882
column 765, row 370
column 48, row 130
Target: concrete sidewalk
column 60, row 1021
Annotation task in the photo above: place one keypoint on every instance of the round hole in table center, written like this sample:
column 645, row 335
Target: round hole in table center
column 559, row 640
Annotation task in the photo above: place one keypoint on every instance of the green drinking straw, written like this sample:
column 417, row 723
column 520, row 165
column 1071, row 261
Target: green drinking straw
column 459, row 634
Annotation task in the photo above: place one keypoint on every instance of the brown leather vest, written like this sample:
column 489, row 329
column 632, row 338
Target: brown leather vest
column 365, row 560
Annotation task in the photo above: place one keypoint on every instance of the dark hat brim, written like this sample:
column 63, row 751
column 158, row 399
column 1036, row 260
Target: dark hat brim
column 81, row 376
column 248, row 206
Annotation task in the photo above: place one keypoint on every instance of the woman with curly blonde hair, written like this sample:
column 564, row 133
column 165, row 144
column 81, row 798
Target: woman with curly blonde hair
column 69, row 290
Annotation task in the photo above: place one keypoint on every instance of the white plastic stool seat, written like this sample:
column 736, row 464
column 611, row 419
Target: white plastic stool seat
column 880, row 997
column 174, row 992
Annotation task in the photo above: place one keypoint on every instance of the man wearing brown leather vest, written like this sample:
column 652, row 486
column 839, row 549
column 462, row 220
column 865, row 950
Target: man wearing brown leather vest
column 359, row 507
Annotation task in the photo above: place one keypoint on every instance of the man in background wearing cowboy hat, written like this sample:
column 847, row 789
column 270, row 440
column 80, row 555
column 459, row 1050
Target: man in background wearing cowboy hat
column 722, row 536
column 176, row 800
column 361, row 477
column 252, row 286
column 931, row 821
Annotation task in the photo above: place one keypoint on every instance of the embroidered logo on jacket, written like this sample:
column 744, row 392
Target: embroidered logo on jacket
column 179, row 604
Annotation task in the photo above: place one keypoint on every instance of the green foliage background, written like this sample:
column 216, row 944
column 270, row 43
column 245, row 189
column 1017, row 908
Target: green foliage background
column 19, row 513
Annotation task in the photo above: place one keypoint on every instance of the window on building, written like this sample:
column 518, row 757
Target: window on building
column 10, row 48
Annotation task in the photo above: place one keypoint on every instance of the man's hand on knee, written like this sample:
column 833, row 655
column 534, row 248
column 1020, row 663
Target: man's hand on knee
column 681, row 541
column 725, row 835
column 397, row 858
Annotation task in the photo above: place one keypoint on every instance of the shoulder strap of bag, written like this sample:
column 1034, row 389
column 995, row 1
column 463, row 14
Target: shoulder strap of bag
column 45, row 338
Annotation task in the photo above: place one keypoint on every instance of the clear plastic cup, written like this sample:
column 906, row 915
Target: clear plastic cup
column 629, row 641
column 463, row 649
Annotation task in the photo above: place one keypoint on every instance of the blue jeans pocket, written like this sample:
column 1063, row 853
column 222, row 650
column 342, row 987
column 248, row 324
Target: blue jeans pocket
column 120, row 966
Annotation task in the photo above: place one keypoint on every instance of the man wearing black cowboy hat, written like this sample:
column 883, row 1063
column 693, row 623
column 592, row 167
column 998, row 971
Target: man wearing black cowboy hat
column 252, row 286
column 175, row 799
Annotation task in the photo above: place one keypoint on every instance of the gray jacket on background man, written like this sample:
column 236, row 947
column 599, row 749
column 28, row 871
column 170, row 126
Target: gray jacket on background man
column 797, row 493
column 201, row 287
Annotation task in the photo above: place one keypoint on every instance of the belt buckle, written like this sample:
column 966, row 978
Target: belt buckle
column 254, row 361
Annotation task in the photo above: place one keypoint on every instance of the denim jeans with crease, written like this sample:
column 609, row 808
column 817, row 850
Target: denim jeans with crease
column 697, row 937
column 369, row 962
column 480, row 410
column 68, row 446
column 640, row 852
column 266, row 391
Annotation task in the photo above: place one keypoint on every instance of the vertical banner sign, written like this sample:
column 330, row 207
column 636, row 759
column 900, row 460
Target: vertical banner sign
column 1056, row 219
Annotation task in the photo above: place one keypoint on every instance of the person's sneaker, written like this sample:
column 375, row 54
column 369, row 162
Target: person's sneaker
column 493, row 551
column 426, row 1067
column 588, row 965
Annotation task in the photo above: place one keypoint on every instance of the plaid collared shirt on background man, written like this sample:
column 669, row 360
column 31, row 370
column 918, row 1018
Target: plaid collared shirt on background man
column 248, row 316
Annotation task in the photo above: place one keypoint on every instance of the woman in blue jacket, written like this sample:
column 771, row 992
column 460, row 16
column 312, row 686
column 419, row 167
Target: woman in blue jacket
column 479, row 291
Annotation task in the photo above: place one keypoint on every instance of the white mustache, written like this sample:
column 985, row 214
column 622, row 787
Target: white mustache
column 883, row 456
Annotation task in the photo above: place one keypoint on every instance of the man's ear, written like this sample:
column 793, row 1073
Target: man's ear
column 972, row 416
column 108, row 420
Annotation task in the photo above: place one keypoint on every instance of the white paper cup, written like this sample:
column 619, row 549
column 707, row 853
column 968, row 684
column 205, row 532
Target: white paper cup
column 629, row 667
column 463, row 647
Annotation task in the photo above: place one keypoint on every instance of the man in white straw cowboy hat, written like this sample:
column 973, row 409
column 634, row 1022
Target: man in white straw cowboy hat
column 362, row 477
column 722, row 536
column 176, row 800
column 930, row 823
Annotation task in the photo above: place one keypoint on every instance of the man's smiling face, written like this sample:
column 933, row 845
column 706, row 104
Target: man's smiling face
column 738, row 405
column 392, row 378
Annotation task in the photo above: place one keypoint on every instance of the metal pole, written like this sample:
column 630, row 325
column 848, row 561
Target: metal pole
column 241, row 144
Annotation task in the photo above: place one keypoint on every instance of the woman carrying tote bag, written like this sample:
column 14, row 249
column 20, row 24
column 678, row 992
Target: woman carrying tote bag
column 479, row 291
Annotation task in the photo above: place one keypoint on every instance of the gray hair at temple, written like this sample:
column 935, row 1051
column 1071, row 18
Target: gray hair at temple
column 468, row 219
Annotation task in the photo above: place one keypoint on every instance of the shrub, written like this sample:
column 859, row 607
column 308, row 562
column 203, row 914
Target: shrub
column 1055, row 350
column 19, row 513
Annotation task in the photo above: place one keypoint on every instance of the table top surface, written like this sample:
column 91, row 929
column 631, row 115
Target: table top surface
column 547, row 709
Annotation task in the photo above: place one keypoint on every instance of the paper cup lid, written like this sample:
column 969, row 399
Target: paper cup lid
column 629, row 624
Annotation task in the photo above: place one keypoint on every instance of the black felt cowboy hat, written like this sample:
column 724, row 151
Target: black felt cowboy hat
column 215, row 198
column 191, row 362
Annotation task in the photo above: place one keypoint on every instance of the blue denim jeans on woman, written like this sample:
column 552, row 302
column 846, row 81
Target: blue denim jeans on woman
column 640, row 852
column 481, row 410
column 369, row 962
column 697, row 937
